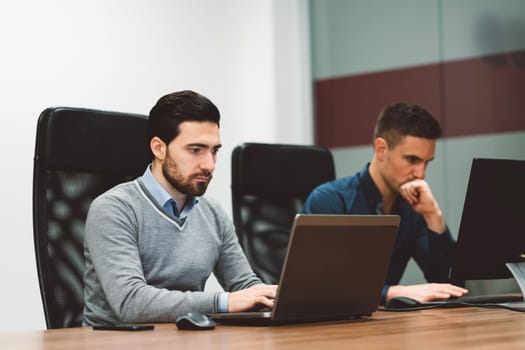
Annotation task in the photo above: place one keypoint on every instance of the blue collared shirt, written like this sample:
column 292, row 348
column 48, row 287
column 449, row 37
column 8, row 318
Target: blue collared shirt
column 164, row 199
column 358, row 194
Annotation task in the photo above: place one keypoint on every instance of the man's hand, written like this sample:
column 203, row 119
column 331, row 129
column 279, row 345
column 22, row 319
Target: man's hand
column 248, row 298
column 420, row 197
column 426, row 292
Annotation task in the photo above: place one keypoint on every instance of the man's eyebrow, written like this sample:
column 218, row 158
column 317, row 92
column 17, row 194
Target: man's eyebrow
column 203, row 145
column 417, row 157
column 410, row 155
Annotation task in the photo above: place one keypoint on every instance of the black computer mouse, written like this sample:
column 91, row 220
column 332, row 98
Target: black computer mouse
column 195, row 321
column 402, row 303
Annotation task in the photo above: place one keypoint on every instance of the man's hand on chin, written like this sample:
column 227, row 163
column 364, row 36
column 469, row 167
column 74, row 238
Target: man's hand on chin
column 418, row 194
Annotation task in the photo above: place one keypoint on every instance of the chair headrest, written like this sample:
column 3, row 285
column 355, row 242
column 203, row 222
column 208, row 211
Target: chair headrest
column 78, row 139
column 279, row 169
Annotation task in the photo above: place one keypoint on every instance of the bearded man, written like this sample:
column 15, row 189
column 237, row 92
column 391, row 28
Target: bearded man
column 150, row 244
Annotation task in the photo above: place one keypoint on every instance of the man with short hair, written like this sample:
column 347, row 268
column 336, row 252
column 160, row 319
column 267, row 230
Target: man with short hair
column 151, row 244
column 394, row 183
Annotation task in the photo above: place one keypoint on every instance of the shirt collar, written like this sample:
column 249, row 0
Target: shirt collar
column 375, row 199
column 371, row 192
column 162, row 197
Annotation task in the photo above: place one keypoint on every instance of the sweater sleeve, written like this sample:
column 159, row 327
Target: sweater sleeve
column 111, row 249
column 233, row 271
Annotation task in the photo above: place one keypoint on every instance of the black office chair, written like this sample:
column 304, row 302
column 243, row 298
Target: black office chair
column 79, row 154
column 270, row 183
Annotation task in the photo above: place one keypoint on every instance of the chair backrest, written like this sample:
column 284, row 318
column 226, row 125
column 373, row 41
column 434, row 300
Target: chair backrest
column 79, row 154
column 270, row 183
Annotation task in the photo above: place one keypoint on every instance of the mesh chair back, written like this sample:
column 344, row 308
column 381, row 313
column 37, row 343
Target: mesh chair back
column 270, row 183
column 79, row 154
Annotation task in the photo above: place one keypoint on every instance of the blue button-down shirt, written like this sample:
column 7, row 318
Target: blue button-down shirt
column 358, row 194
column 164, row 199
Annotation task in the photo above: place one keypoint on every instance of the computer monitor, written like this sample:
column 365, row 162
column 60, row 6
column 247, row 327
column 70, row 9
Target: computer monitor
column 492, row 229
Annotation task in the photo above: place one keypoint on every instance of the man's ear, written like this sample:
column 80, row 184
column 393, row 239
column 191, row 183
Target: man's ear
column 380, row 148
column 158, row 148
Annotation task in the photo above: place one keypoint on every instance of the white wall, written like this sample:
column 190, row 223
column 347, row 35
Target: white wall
column 248, row 56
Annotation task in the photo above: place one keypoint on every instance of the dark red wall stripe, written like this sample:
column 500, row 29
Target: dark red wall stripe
column 472, row 96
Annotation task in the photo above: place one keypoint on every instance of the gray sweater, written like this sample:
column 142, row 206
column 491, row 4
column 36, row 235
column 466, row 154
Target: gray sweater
column 143, row 265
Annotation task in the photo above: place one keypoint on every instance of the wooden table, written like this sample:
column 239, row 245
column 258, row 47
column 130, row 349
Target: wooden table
column 464, row 328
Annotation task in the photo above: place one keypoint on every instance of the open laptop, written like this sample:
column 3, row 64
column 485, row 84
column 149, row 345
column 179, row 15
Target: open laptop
column 335, row 268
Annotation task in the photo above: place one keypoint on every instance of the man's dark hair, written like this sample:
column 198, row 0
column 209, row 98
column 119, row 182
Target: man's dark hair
column 402, row 119
column 177, row 107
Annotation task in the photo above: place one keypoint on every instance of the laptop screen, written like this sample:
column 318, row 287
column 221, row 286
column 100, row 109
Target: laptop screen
column 335, row 265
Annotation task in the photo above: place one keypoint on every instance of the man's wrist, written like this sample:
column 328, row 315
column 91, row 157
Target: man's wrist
column 436, row 222
column 395, row 291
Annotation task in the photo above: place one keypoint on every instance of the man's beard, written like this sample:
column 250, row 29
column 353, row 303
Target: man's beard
column 390, row 184
column 181, row 184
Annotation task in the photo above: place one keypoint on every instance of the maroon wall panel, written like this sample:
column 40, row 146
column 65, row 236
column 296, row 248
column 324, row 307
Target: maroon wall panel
column 485, row 95
column 472, row 96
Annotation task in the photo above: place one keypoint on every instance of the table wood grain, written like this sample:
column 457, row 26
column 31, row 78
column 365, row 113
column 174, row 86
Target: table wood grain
column 462, row 328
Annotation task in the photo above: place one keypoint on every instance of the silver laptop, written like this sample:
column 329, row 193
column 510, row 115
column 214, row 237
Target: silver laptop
column 335, row 268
